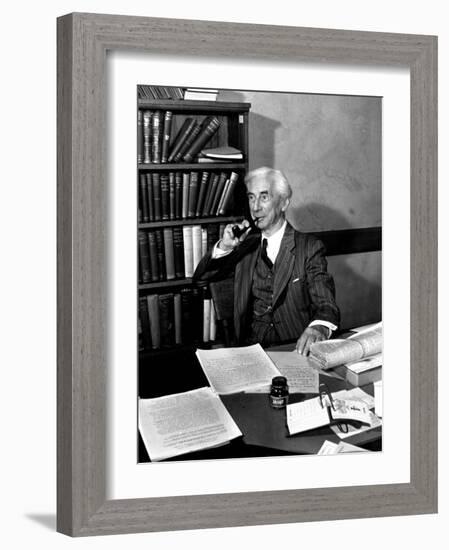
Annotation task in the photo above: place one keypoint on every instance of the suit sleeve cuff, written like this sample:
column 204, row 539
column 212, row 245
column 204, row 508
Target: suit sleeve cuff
column 330, row 326
column 218, row 252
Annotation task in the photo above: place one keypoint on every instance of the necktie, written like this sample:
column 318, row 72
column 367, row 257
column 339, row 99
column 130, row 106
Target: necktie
column 264, row 255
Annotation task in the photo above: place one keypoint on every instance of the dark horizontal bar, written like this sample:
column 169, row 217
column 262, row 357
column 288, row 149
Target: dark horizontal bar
column 193, row 166
column 194, row 105
column 351, row 241
column 189, row 221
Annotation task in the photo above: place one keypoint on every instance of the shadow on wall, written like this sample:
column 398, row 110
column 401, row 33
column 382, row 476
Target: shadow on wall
column 357, row 276
column 262, row 132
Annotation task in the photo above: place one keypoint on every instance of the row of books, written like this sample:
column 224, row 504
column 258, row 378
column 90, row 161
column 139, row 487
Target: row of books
column 155, row 144
column 145, row 91
column 181, row 195
column 174, row 252
column 167, row 320
column 173, row 92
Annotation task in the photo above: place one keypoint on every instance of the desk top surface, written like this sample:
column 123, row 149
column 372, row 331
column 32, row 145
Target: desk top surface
column 264, row 429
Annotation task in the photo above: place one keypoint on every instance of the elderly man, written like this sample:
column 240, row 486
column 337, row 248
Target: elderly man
column 282, row 290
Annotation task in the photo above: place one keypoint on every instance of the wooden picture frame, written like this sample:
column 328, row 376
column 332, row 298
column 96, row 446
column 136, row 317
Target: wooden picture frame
column 83, row 40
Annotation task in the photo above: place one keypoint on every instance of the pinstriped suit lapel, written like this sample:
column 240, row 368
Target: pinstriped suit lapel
column 285, row 262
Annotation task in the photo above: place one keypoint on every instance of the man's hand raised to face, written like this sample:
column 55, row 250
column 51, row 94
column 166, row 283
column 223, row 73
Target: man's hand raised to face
column 229, row 241
column 317, row 333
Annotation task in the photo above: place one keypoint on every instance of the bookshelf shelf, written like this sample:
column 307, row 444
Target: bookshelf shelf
column 189, row 221
column 194, row 106
column 179, row 202
column 172, row 283
column 192, row 167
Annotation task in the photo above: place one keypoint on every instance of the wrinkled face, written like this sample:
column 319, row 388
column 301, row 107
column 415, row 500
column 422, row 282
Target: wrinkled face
column 266, row 206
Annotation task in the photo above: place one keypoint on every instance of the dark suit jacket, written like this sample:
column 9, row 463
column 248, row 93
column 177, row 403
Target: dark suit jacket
column 303, row 289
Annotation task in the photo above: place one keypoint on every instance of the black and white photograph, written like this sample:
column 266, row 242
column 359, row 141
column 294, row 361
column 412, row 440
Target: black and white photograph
column 259, row 292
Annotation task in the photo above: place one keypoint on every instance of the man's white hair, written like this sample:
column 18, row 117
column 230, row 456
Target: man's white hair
column 274, row 177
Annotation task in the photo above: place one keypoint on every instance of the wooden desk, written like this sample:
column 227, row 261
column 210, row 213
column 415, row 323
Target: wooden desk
column 264, row 429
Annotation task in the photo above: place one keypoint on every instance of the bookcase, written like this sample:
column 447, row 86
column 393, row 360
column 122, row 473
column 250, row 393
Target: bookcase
column 185, row 201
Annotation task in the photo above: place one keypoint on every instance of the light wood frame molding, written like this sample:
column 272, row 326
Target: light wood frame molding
column 83, row 40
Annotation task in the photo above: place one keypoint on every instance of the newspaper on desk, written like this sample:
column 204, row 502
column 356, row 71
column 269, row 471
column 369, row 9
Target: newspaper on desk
column 364, row 343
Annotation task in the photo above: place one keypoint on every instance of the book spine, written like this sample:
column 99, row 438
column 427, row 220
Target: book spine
column 178, row 195
column 218, row 191
column 229, row 192
column 212, row 235
column 144, row 198
column 213, row 324
column 167, row 320
column 150, row 198
column 201, row 194
column 178, row 248
column 147, row 137
column 166, row 136
column 223, row 195
column 153, row 315
column 172, row 195
column 203, row 241
column 206, row 320
column 208, row 130
column 144, row 322
column 186, row 315
column 180, row 137
column 190, row 138
column 160, row 254
column 153, row 256
column 178, row 318
column 144, row 257
column 197, row 314
column 139, row 136
column 169, row 253
column 188, row 250
column 221, row 229
column 197, row 245
column 210, row 194
column 185, row 194
column 165, row 199
column 193, row 194
column 155, row 178
column 156, row 137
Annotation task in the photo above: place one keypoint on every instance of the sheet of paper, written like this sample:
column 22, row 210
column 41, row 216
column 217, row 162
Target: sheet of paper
column 351, row 409
column 328, row 448
column 355, row 393
column 185, row 422
column 232, row 370
column 366, row 364
column 378, row 400
column 302, row 376
column 365, row 328
column 344, row 447
column 306, row 415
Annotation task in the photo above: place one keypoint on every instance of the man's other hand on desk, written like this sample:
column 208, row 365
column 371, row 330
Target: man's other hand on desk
column 317, row 333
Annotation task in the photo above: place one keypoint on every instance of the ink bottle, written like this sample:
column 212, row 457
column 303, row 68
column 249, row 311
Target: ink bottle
column 279, row 392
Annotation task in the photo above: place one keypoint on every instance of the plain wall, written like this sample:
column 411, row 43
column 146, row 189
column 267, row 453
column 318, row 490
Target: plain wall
column 330, row 149
column 28, row 321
